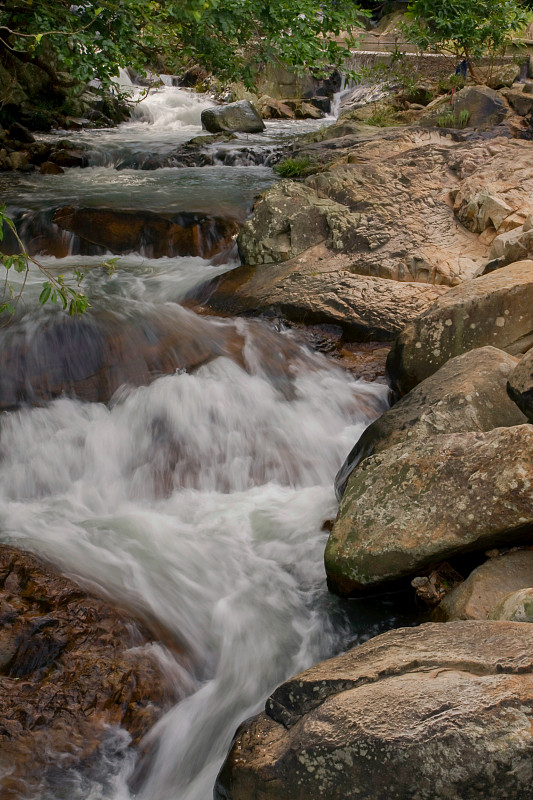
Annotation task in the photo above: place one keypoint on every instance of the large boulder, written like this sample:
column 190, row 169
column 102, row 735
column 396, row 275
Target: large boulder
column 366, row 308
column 495, row 309
column 239, row 116
column 480, row 107
column 383, row 205
column 72, row 669
column 520, row 384
column 438, row 712
column 467, row 394
column 486, row 586
column 420, row 503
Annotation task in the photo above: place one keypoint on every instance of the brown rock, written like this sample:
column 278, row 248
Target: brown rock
column 366, row 308
column 486, row 586
column 49, row 168
column 432, row 713
column 383, row 204
column 269, row 108
column 468, row 393
column 420, row 503
column 495, row 309
column 486, row 108
column 155, row 235
column 520, row 385
column 70, row 666
column 494, row 190
column 69, row 157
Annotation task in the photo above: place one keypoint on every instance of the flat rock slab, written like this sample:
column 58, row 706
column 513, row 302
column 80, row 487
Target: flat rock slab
column 486, row 586
column 366, row 308
column 495, row 309
column 467, row 394
column 415, row 505
column 439, row 712
column 70, row 667
column 384, row 200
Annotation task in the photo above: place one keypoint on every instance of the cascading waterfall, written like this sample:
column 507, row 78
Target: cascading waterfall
column 197, row 501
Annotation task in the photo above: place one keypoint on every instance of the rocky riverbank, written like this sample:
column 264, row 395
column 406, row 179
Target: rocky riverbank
column 420, row 234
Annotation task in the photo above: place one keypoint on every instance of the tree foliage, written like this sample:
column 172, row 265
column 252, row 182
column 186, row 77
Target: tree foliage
column 91, row 39
column 469, row 29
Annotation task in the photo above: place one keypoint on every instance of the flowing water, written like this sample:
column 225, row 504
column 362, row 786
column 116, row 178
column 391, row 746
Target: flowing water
column 198, row 500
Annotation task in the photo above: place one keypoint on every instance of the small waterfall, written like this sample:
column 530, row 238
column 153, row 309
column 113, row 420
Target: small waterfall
column 172, row 109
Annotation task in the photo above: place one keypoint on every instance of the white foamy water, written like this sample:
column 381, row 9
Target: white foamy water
column 198, row 501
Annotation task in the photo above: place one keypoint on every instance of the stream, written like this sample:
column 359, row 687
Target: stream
column 197, row 500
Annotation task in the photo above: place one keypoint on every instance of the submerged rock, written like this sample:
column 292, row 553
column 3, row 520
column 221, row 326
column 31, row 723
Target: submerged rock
column 467, row 394
column 433, row 713
column 486, row 586
column 495, row 309
column 71, row 669
column 422, row 502
column 153, row 235
column 240, row 116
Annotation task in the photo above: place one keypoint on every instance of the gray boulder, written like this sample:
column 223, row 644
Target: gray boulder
column 495, row 309
column 486, row 586
column 467, row 394
column 439, row 712
column 240, row 116
column 422, row 502
column 520, row 384
column 486, row 108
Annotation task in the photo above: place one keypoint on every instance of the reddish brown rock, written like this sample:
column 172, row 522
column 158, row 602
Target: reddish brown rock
column 154, row 235
column 70, row 666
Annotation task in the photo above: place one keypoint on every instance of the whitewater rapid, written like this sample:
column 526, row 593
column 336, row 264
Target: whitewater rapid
column 198, row 502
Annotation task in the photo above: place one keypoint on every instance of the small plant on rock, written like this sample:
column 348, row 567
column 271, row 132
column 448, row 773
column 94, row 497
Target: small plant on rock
column 294, row 167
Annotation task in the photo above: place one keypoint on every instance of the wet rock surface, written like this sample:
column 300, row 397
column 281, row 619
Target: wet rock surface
column 239, row 116
column 71, row 670
column 436, row 712
column 308, row 291
column 154, row 235
column 467, row 394
column 495, row 309
column 396, row 517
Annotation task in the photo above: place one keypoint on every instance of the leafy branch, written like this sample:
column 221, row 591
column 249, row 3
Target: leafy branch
column 55, row 288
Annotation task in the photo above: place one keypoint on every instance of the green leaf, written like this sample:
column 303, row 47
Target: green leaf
column 45, row 294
